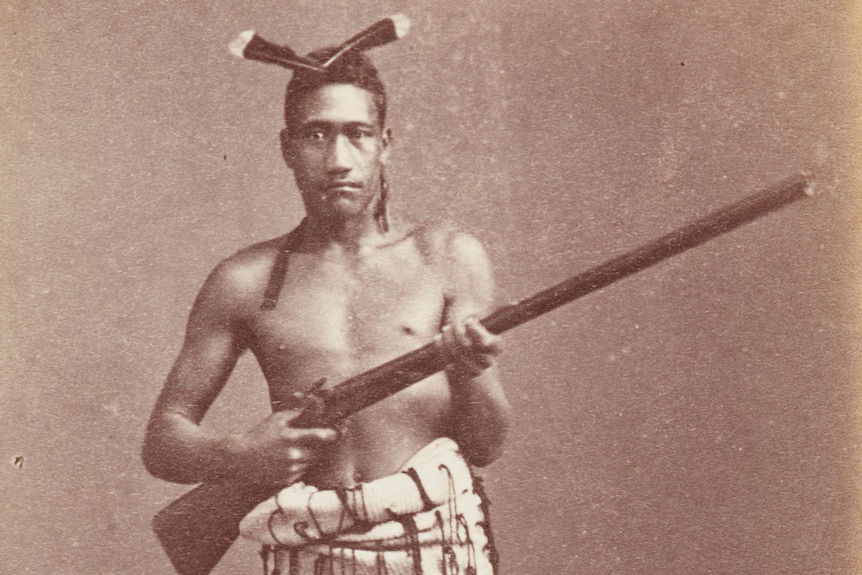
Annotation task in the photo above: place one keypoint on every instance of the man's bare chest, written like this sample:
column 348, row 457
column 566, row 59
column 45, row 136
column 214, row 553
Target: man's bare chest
column 334, row 319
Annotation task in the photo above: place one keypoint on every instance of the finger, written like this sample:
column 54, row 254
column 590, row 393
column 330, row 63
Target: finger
column 476, row 332
column 293, row 474
column 296, row 454
column 451, row 343
column 459, row 330
column 482, row 351
column 300, row 464
column 310, row 437
column 467, row 350
column 283, row 474
column 456, row 343
column 480, row 338
column 286, row 416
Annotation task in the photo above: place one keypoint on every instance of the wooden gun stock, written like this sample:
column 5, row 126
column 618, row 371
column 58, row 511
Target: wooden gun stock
column 198, row 528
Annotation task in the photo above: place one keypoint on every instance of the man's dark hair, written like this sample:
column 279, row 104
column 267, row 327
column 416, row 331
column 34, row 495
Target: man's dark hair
column 353, row 67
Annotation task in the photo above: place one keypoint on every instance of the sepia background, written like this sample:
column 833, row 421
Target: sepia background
column 700, row 417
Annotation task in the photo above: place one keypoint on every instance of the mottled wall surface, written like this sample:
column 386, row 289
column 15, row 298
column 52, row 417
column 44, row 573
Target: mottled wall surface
column 698, row 418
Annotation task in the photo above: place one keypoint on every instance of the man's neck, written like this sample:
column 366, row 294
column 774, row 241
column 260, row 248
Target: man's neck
column 351, row 235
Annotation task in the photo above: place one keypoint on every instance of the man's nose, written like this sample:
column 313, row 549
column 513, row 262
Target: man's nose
column 340, row 154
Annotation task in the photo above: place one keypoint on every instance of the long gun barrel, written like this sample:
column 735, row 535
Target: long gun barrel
column 197, row 529
column 376, row 384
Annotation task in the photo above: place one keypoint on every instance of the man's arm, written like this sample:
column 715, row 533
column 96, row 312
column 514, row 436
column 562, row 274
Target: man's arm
column 480, row 409
column 176, row 447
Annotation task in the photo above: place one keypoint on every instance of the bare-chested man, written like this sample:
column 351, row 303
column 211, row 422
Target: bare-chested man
column 360, row 288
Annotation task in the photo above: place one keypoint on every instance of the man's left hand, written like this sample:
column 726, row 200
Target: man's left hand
column 469, row 348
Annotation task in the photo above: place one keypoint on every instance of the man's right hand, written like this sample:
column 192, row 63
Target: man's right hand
column 273, row 452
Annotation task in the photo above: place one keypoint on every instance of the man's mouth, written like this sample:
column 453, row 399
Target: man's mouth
column 342, row 188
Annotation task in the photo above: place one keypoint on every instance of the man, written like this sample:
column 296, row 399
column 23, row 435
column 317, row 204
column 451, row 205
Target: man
column 348, row 290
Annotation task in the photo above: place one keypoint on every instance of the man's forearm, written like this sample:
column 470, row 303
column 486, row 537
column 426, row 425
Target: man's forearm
column 481, row 415
column 177, row 450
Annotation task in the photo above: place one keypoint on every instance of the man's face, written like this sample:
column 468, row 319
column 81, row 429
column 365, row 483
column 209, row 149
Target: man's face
column 336, row 148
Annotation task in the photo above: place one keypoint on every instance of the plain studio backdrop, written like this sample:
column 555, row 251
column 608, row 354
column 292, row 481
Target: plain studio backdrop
column 700, row 417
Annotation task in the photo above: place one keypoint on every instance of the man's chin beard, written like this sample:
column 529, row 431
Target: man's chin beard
column 336, row 213
column 337, row 206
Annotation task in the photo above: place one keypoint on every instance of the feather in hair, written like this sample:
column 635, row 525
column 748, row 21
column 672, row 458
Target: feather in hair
column 378, row 34
column 251, row 46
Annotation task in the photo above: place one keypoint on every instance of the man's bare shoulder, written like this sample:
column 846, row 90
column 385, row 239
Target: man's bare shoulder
column 442, row 243
column 241, row 278
column 460, row 260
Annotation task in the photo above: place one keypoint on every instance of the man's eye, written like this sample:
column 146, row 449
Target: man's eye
column 359, row 134
column 315, row 135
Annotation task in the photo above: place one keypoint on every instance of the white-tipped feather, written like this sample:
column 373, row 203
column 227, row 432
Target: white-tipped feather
column 384, row 31
column 380, row 33
column 401, row 23
column 237, row 46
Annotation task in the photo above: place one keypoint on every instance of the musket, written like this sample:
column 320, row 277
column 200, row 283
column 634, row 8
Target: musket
column 198, row 528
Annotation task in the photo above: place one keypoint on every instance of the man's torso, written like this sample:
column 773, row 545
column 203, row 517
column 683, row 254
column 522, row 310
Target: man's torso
column 340, row 314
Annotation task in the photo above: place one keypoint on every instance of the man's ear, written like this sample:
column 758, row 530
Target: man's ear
column 386, row 145
column 287, row 151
